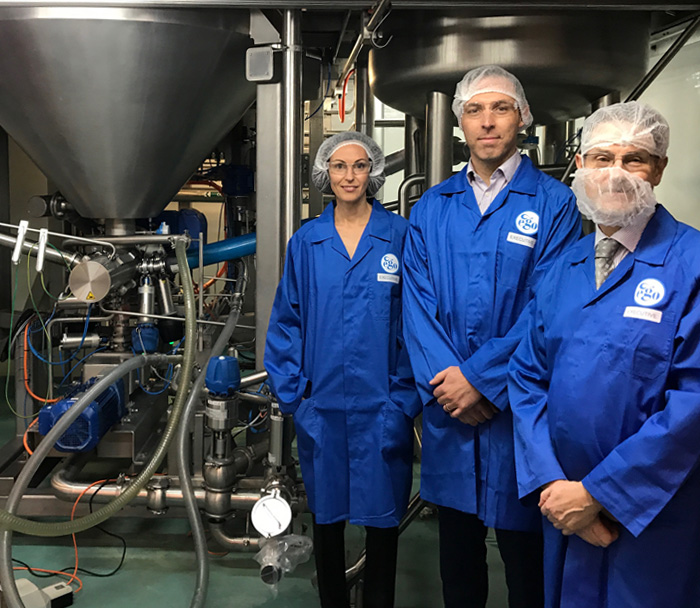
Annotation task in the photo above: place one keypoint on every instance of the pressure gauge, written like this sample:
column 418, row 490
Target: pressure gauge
column 271, row 515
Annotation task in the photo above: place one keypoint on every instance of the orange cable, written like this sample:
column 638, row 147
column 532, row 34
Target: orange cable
column 26, row 371
column 341, row 105
column 207, row 182
column 26, row 433
column 75, row 542
column 58, row 572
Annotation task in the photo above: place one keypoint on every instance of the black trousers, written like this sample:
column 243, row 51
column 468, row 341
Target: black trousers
column 380, row 567
column 463, row 563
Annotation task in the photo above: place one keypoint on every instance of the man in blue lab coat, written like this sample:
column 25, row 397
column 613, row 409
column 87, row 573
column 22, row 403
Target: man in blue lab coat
column 478, row 244
column 605, row 388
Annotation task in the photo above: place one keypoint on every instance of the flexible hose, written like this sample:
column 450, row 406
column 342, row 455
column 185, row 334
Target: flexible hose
column 9, row 521
column 183, row 459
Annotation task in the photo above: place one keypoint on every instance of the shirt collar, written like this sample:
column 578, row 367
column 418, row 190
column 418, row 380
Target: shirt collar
column 524, row 180
column 653, row 245
column 628, row 236
column 507, row 169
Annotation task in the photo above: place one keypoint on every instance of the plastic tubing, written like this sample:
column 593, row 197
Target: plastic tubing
column 183, row 458
column 9, row 521
column 222, row 251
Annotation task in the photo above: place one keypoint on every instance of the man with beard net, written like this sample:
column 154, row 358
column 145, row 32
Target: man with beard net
column 605, row 387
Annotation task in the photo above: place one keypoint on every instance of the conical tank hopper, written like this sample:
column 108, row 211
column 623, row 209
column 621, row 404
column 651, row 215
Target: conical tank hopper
column 118, row 106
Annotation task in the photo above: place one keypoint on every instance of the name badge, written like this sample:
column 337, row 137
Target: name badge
column 388, row 278
column 646, row 314
column 521, row 239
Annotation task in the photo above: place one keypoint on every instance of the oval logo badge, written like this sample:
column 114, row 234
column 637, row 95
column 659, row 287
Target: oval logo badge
column 528, row 222
column 649, row 292
column 390, row 263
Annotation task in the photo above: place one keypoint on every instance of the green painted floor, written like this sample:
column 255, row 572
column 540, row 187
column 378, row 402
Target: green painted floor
column 159, row 567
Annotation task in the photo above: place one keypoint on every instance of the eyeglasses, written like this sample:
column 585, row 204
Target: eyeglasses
column 632, row 161
column 498, row 108
column 360, row 167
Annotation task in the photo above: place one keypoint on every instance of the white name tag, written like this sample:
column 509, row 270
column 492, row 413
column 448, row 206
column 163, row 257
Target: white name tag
column 521, row 239
column 388, row 278
column 647, row 314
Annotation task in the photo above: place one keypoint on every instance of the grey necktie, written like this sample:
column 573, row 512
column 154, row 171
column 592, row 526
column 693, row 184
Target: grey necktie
column 605, row 251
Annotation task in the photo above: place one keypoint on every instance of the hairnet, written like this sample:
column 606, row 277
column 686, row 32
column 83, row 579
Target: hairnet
column 491, row 79
column 612, row 196
column 632, row 124
column 319, row 172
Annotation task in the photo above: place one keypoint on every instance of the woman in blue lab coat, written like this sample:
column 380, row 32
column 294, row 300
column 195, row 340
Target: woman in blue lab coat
column 335, row 361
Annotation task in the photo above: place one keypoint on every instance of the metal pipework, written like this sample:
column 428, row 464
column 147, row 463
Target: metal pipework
column 69, row 490
column 253, row 379
column 364, row 100
column 155, row 316
column 133, row 240
column 275, row 454
column 292, row 125
column 404, row 189
column 165, row 298
column 148, row 298
column 439, row 124
column 379, row 12
column 70, row 341
column 51, row 254
column 240, row 543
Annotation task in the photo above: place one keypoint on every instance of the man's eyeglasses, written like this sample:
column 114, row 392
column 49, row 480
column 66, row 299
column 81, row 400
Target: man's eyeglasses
column 498, row 108
column 632, row 161
column 360, row 167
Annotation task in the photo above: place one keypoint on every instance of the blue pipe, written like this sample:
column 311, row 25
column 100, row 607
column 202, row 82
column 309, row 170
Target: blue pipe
column 223, row 251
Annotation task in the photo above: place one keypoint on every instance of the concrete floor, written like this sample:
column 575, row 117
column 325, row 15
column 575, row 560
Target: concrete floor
column 159, row 567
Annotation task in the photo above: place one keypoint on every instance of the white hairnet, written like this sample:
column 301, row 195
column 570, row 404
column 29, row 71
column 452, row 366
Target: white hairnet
column 612, row 196
column 319, row 172
column 631, row 124
column 491, row 79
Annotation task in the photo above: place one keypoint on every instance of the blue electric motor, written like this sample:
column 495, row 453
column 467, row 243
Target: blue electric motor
column 92, row 424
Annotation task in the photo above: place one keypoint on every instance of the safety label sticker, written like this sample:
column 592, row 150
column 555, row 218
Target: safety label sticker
column 647, row 314
column 388, row 278
column 521, row 239
column 90, row 296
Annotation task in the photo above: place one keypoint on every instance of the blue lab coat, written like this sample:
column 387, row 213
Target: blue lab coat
column 605, row 389
column 467, row 278
column 335, row 338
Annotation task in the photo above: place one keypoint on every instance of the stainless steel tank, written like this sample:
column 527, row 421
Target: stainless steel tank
column 118, row 106
column 565, row 60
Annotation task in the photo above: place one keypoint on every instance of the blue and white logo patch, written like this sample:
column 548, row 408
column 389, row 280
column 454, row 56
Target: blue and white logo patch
column 390, row 263
column 528, row 222
column 649, row 292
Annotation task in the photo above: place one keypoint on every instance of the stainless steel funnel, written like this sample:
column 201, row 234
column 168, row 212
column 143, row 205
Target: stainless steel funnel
column 118, row 106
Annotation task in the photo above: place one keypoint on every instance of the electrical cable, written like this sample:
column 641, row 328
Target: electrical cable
column 328, row 88
column 72, row 369
column 259, row 419
column 341, row 105
column 25, row 443
column 9, row 350
column 50, row 573
column 73, row 356
column 9, row 521
column 45, row 400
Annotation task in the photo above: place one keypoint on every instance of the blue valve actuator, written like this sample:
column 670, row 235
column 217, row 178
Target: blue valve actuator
column 144, row 338
column 223, row 375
